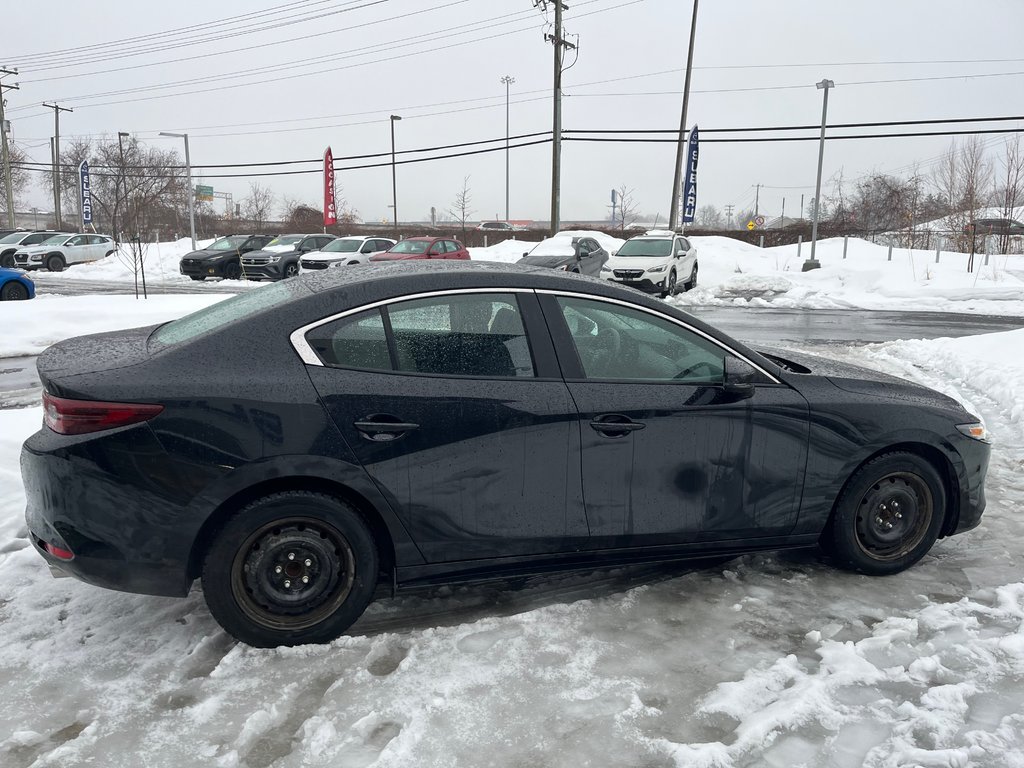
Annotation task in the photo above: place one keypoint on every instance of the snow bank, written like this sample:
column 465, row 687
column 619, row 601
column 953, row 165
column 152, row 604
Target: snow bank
column 160, row 261
column 510, row 251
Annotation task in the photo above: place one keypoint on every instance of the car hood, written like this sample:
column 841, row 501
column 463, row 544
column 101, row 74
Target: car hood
column 203, row 254
column 635, row 262
column 859, row 380
column 546, row 259
column 331, row 255
column 12, row 274
column 32, row 249
column 278, row 251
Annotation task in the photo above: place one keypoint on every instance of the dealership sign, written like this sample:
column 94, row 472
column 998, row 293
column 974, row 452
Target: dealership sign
column 85, row 194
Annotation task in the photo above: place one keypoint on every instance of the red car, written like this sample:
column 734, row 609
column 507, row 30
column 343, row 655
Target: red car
column 423, row 248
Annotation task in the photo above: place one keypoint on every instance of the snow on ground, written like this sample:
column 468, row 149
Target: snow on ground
column 160, row 262
column 762, row 661
column 734, row 272
column 32, row 326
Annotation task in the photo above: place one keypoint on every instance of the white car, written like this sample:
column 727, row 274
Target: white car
column 57, row 252
column 353, row 249
column 658, row 261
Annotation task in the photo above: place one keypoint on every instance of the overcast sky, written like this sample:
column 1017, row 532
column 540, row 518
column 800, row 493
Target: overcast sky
column 438, row 64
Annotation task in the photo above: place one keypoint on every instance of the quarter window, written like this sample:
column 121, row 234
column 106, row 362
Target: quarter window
column 356, row 341
column 616, row 342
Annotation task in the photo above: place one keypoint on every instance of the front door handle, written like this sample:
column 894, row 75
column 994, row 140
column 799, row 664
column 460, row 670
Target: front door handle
column 615, row 425
column 382, row 428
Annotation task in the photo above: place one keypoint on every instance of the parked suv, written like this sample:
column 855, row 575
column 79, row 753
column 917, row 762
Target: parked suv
column 20, row 238
column 658, row 261
column 61, row 250
column 423, row 248
column 221, row 257
column 352, row 249
column 280, row 257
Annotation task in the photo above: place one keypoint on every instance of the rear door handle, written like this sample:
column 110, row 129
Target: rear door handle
column 614, row 425
column 380, row 430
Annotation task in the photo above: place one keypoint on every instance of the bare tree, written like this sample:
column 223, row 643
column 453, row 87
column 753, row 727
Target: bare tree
column 460, row 210
column 19, row 177
column 1010, row 186
column 258, row 206
column 709, row 217
column 626, row 212
column 962, row 179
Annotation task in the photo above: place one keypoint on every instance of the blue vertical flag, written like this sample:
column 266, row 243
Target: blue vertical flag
column 84, row 193
column 690, row 180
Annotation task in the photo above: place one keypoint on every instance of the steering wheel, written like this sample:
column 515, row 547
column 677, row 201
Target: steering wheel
column 702, row 364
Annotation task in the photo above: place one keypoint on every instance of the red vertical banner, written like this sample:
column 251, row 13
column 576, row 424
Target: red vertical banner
column 330, row 211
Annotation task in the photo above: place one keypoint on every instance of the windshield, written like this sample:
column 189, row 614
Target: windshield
column 411, row 246
column 227, row 243
column 222, row 313
column 14, row 237
column 56, row 240
column 342, row 246
column 284, row 240
column 641, row 247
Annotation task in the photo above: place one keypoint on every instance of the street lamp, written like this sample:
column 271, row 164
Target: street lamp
column 507, row 80
column 121, row 135
column 191, row 191
column 394, row 187
column 813, row 263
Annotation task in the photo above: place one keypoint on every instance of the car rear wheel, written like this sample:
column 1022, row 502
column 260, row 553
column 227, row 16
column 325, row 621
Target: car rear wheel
column 888, row 515
column 13, row 291
column 55, row 263
column 291, row 568
column 690, row 284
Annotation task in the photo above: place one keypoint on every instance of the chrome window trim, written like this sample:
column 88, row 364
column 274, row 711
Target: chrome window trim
column 309, row 357
column 682, row 324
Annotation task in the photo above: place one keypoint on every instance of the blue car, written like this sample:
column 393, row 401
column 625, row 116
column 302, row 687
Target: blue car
column 15, row 285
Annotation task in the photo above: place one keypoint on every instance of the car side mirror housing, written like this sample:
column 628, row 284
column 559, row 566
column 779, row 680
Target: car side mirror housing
column 738, row 379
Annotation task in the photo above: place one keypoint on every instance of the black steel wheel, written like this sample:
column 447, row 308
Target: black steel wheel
column 292, row 568
column 13, row 291
column 888, row 516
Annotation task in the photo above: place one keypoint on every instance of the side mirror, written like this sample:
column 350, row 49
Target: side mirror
column 738, row 379
column 575, row 242
column 525, row 254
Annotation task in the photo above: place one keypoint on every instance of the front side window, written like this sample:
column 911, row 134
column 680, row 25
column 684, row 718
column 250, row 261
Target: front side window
column 227, row 243
column 477, row 335
column 79, row 240
column 617, row 342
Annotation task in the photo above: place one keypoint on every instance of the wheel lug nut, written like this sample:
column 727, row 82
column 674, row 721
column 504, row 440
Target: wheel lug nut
column 287, row 583
column 888, row 526
column 308, row 562
column 305, row 579
column 278, row 569
column 899, row 515
column 879, row 521
column 291, row 555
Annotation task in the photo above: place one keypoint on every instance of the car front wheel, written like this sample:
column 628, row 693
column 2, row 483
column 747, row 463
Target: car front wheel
column 291, row 568
column 670, row 285
column 291, row 270
column 13, row 291
column 888, row 515
column 232, row 271
column 55, row 263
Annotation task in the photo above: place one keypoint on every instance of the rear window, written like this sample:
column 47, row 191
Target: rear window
column 224, row 313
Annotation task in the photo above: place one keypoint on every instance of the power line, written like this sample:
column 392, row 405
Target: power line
column 753, row 139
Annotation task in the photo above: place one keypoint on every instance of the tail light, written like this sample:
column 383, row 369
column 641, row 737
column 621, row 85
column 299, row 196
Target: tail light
column 79, row 417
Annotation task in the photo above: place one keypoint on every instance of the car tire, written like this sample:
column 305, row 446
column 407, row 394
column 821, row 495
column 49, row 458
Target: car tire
column 887, row 516
column 13, row 291
column 291, row 270
column 232, row 271
column 200, row 278
column 252, row 574
column 108, row 253
column 7, row 261
column 670, row 285
column 690, row 284
column 55, row 263
column 354, row 262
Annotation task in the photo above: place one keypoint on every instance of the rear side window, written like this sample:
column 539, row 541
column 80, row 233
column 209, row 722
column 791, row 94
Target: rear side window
column 476, row 335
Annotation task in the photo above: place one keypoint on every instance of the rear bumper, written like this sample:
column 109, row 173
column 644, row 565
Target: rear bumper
column 125, row 534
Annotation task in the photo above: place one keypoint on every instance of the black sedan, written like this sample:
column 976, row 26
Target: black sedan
column 413, row 424
column 221, row 258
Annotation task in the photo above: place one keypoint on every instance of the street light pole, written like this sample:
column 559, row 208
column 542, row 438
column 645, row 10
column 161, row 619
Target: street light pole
column 813, row 263
column 394, row 185
column 191, row 191
column 677, row 179
column 507, row 80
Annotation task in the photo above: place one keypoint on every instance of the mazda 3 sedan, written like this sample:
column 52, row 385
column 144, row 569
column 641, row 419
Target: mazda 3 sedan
column 299, row 445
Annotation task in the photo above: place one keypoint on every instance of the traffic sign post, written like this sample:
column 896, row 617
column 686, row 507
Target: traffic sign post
column 751, row 225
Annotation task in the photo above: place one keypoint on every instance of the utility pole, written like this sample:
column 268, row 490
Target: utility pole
column 560, row 44
column 757, row 199
column 8, row 178
column 783, row 226
column 191, row 191
column 507, row 80
column 728, row 215
column 394, row 184
column 673, row 211
column 812, row 263
column 57, row 109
